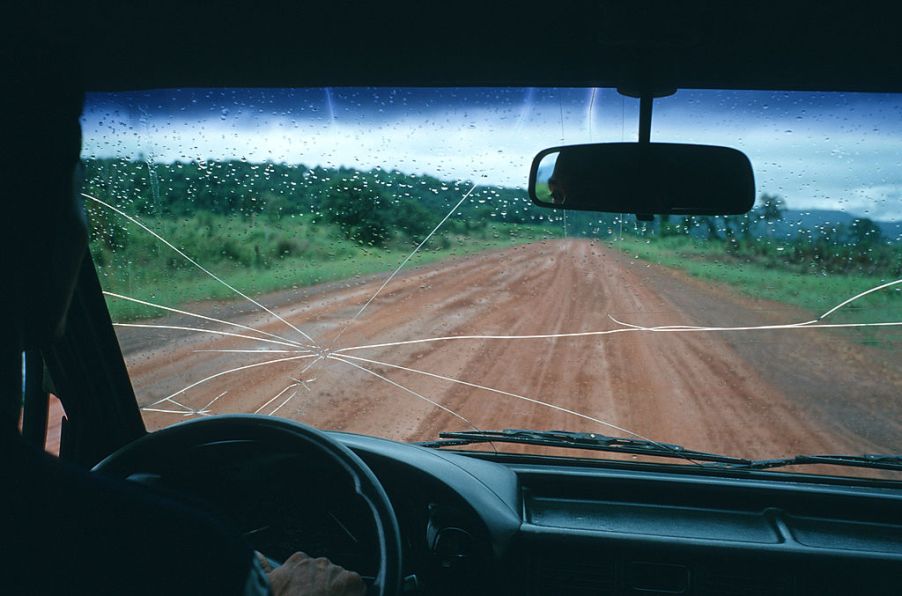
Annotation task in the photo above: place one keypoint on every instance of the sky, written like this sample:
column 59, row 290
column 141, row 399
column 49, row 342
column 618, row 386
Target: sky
column 817, row 150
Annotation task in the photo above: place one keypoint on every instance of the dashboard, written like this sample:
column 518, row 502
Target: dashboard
column 518, row 526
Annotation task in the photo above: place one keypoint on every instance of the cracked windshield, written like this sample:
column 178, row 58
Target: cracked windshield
column 368, row 260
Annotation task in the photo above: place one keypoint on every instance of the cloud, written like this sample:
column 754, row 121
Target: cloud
column 824, row 151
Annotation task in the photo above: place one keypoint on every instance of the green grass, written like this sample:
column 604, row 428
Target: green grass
column 812, row 293
column 543, row 192
column 147, row 270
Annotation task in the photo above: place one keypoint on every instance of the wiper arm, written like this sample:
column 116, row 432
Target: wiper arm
column 580, row 440
column 867, row 460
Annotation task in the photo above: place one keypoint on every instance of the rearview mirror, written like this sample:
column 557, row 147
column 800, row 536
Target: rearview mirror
column 644, row 178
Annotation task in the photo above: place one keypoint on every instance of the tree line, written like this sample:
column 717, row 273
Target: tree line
column 376, row 207
column 857, row 247
column 382, row 208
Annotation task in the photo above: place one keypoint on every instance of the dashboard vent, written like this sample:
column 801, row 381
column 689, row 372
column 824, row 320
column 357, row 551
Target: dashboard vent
column 573, row 578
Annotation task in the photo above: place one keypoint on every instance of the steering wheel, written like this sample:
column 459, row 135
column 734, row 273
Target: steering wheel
column 282, row 436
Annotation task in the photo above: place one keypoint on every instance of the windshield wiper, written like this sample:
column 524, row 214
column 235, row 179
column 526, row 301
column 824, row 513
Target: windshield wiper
column 868, row 460
column 579, row 440
column 599, row 442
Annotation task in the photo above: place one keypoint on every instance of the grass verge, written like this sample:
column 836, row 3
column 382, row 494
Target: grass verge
column 154, row 280
column 813, row 293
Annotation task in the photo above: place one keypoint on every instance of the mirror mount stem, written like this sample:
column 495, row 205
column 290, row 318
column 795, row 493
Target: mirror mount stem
column 645, row 104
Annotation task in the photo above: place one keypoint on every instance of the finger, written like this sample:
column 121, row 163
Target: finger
column 324, row 563
column 356, row 585
column 298, row 557
column 352, row 580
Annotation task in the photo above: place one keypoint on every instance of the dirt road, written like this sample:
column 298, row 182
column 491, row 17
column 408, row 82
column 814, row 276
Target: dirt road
column 754, row 394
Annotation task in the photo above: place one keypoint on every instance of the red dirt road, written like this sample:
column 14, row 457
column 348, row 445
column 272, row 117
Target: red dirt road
column 753, row 394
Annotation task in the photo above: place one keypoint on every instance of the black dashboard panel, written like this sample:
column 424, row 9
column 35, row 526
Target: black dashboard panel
column 458, row 515
column 617, row 532
column 565, row 530
column 470, row 525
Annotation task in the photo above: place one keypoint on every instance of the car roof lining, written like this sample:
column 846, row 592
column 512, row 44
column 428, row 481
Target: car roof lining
column 815, row 46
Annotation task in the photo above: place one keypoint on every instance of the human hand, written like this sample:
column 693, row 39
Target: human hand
column 304, row 575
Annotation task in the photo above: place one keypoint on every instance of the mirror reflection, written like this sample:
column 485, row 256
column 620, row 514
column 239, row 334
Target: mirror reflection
column 644, row 179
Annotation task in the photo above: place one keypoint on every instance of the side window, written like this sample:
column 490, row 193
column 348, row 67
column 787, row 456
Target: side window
column 42, row 412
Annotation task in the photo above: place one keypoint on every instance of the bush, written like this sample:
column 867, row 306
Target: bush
column 286, row 248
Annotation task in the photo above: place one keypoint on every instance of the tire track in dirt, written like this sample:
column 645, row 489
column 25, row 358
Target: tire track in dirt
column 773, row 394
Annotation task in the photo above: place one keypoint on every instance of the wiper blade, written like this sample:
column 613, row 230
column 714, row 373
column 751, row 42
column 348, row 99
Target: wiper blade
column 599, row 442
column 580, row 440
column 868, row 460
